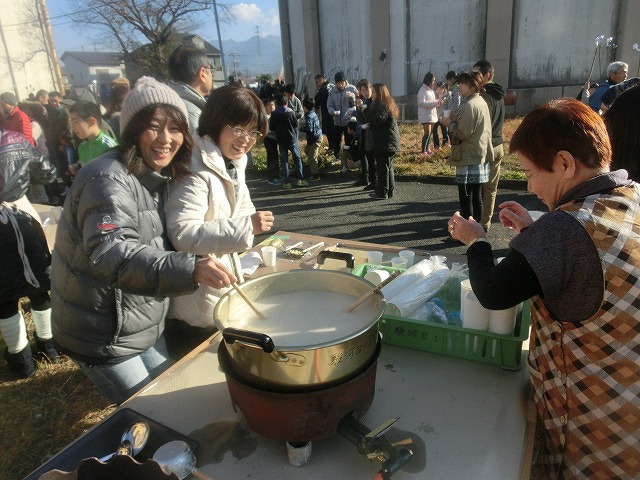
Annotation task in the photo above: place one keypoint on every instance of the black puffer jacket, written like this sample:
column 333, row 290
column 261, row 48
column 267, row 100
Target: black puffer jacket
column 494, row 96
column 384, row 129
column 112, row 267
column 20, row 164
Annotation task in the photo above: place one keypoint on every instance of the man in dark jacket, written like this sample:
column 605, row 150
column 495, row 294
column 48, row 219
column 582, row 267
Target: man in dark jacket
column 494, row 96
column 192, row 79
column 285, row 125
column 322, row 94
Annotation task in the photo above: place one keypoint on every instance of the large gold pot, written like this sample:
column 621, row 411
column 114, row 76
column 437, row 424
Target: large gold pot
column 306, row 341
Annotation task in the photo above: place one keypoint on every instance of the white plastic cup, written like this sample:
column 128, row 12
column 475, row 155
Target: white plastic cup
column 472, row 313
column 409, row 255
column 503, row 321
column 268, row 255
column 377, row 276
column 399, row 262
column 446, row 113
column 374, row 257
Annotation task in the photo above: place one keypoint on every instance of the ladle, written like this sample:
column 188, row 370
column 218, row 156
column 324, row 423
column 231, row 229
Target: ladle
column 133, row 440
column 177, row 457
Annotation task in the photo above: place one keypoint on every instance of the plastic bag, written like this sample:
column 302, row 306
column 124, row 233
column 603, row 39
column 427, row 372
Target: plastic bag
column 449, row 294
column 414, row 287
column 430, row 311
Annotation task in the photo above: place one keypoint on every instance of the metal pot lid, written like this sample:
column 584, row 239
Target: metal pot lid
column 303, row 309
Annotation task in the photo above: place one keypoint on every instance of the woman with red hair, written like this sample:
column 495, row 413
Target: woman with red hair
column 579, row 265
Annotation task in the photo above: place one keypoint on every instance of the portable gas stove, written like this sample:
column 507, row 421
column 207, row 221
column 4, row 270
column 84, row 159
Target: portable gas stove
column 299, row 417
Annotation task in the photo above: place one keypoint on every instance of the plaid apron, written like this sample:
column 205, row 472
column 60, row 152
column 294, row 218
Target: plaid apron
column 586, row 377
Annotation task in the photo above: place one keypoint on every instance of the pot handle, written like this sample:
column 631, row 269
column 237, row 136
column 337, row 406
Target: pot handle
column 348, row 258
column 261, row 340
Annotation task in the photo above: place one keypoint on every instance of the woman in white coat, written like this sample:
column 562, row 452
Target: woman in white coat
column 209, row 212
column 427, row 110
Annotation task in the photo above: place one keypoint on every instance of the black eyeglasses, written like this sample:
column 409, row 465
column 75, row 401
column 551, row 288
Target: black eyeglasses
column 241, row 132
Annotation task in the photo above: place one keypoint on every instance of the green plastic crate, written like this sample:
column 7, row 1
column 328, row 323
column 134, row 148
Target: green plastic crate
column 478, row 346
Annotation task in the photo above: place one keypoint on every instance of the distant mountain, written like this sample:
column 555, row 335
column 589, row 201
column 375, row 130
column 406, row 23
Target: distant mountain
column 253, row 56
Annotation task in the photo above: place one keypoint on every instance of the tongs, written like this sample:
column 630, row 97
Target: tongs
column 295, row 252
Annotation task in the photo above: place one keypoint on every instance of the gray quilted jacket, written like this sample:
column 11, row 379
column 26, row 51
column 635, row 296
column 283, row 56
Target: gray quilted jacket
column 112, row 266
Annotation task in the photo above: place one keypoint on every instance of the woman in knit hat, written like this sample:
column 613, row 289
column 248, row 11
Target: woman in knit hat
column 113, row 267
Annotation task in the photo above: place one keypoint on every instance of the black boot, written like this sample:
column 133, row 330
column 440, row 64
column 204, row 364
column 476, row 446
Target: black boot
column 21, row 363
column 47, row 349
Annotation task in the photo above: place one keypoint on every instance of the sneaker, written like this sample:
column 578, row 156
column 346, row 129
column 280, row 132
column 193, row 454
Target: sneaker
column 274, row 181
column 302, row 183
column 371, row 186
column 286, row 185
column 375, row 196
column 315, row 178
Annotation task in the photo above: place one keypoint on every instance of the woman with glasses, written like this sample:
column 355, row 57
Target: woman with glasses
column 209, row 212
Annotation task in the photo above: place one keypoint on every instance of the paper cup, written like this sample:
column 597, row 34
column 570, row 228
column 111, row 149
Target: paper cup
column 446, row 113
column 472, row 313
column 503, row 321
column 268, row 255
column 409, row 255
column 374, row 257
column 399, row 262
column 376, row 276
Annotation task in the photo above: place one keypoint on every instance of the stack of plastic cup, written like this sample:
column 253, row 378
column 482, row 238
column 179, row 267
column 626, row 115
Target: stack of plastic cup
column 472, row 313
column 503, row 321
column 399, row 262
column 374, row 257
column 409, row 255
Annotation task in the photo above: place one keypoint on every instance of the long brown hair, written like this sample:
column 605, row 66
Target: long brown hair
column 129, row 154
column 383, row 97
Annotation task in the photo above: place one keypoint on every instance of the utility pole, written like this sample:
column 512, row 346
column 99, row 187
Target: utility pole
column 224, row 68
column 259, row 49
column 43, row 18
column 234, row 55
column 9, row 63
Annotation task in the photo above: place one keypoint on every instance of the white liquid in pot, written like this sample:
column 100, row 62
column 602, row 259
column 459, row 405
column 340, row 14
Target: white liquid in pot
column 296, row 319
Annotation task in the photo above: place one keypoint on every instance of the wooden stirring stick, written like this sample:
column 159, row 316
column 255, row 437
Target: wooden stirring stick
column 361, row 300
column 248, row 300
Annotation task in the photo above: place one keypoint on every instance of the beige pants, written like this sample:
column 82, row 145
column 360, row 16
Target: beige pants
column 490, row 189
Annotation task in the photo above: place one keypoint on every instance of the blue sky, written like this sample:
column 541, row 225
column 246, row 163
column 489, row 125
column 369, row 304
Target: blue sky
column 262, row 13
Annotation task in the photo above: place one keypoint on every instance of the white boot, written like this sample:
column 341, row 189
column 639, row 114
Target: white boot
column 44, row 338
column 14, row 332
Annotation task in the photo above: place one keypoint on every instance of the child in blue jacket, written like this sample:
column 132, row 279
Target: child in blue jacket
column 313, row 131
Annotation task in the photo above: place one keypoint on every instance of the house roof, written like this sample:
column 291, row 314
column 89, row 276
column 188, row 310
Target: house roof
column 95, row 59
column 200, row 42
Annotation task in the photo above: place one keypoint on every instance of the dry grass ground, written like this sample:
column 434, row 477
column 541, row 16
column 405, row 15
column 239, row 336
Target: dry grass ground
column 42, row 414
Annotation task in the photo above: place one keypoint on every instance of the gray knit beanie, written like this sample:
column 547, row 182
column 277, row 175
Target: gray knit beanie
column 148, row 91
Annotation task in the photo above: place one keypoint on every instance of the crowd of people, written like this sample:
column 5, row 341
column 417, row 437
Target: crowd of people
column 156, row 210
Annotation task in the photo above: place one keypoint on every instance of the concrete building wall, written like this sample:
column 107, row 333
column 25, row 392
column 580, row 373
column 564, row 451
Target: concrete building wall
column 541, row 49
column 24, row 64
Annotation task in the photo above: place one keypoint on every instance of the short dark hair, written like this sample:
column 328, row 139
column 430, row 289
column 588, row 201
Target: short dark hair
column 86, row 110
column 309, row 103
column 53, row 93
column 363, row 83
column 185, row 63
column 319, row 76
column 485, row 67
column 232, row 105
column 451, row 74
column 280, row 99
column 41, row 93
column 128, row 152
column 290, row 88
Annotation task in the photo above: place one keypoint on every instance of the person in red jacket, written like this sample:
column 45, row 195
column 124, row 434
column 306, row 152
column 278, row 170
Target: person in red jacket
column 16, row 120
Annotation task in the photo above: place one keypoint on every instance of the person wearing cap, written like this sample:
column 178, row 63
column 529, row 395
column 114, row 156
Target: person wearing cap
column 15, row 119
column 113, row 267
column 341, row 105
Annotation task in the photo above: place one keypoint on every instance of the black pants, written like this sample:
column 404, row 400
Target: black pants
column 273, row 160
column 386, row 179
column 369, row 171
column 336, row 139
column 470, row 195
